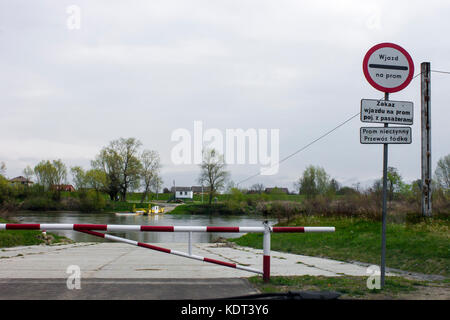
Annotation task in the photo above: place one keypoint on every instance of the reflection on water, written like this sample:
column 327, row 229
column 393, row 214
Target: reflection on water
column 149, row 237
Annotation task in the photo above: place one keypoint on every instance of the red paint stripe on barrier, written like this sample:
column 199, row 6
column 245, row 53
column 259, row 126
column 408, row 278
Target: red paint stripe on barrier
column 29, row 226
column 288, row 229
column 93, row 233
column 266, row 268
column 222, row 229
column 223, row 263
column 158, row 228
column 149, row 246
column 90, row 227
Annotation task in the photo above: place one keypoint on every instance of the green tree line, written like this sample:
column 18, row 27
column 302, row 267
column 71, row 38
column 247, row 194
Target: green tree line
column 119, row 167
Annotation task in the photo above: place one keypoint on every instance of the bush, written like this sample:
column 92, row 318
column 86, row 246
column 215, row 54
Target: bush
column 236, row 206
column 285, row 210
column 441, row 202
column 40, row 203
column 70, row 203
column 355, row 205
column 91, row 201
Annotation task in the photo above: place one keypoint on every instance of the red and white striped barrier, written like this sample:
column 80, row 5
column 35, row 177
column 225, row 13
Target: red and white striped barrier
column 121, row 227
column 87, row 228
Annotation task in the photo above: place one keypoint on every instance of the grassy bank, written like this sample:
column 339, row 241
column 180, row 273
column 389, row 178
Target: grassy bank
column 350, row 287
column 420, row 247
column 198, row 208
column 74, row 201
column 137, row 196
column 14, row 238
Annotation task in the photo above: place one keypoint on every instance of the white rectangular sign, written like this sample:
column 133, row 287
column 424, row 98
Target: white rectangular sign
column 381, row 135
column 382, row 111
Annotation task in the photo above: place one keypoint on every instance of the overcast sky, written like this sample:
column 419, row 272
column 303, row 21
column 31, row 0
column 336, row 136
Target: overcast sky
column 146, row 68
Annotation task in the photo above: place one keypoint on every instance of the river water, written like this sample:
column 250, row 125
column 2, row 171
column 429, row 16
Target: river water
column 156, row 220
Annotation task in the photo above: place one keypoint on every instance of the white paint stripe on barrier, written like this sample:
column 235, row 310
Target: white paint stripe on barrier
column 119, row 239
column 184, row 254
column 251, row 229
column 56, row 226
column 238, row 266
column 319, row 229
column 2, row 226
column 121, row 227
column 189, row 228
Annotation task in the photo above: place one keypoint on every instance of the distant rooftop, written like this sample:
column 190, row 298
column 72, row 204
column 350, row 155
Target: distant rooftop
column 181, row 189
column 20, row 179
column 283, row 190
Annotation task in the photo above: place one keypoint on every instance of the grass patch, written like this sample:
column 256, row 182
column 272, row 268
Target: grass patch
column 347, row 286
column 420, row 247
column 14, row 238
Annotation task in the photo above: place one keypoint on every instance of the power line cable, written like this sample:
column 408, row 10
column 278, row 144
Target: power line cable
column 323, row 136
column 303, row 148
column 416, row 76
column 439, row 71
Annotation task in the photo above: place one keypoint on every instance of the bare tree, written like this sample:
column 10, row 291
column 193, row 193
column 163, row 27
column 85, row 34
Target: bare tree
column 213, row 174
column 151, row 165
column 130, row 164
column 257, row 188
column 156, row 184
column 28, row 173
column 78, row 177
column 2, row 168
column 442, row 172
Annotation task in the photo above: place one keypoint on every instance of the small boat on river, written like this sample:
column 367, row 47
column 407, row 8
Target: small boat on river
column 141, row 211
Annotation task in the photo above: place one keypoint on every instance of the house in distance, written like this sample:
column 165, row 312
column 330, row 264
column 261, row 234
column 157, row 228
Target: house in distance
column 183, row 192
column 21, row 180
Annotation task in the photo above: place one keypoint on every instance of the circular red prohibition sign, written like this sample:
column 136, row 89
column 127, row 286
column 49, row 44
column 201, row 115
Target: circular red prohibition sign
column 388, row 67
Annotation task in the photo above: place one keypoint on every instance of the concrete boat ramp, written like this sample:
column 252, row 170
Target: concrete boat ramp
column 121, row 271
column 113, row 260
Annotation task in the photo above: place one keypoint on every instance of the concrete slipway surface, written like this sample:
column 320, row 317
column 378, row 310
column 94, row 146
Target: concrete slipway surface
column 121, row 271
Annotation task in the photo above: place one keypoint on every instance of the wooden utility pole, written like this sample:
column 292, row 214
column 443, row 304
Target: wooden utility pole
column 426, row 138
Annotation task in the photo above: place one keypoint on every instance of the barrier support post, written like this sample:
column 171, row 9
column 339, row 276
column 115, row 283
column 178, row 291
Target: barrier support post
column 266, row 252
column 190, row 243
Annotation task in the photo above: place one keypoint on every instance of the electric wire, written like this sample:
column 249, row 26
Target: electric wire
column 322, row 136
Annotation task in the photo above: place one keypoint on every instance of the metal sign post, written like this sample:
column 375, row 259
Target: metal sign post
column 384, row 212
column 388, row 68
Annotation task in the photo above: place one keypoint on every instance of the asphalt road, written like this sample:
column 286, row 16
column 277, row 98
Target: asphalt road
column 124, row 289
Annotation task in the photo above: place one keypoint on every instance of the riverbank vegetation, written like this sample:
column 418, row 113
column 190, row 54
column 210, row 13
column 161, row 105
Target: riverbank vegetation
column 13, row 238
column 119, row 168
